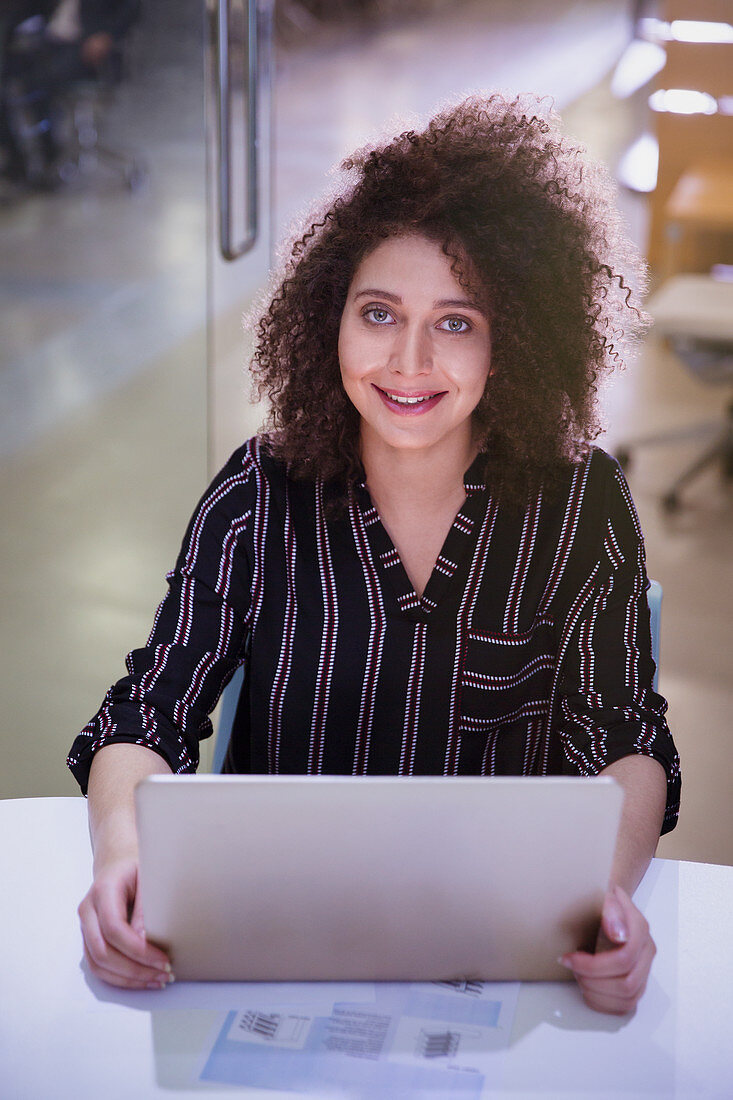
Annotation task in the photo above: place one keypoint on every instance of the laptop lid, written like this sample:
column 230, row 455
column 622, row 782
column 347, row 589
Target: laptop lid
column 293, row 878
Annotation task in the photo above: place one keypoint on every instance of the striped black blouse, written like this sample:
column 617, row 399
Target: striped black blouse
column 528, row 653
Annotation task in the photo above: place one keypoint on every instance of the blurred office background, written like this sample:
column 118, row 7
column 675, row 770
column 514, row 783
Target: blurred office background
column 123, row 358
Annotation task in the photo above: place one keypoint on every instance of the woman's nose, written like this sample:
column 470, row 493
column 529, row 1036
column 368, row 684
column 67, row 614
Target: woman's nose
column 412, row 352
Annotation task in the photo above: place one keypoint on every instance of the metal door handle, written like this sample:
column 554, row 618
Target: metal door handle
column 232, row 245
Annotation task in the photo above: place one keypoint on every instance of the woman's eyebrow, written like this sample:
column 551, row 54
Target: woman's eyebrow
column 373, row 292
column 457, row 303
column 441, row 303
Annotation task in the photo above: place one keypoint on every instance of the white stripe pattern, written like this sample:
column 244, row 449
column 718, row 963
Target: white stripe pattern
column 528, row 652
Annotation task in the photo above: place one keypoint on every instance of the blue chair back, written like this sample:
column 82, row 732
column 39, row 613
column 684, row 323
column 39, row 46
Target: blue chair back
column 654, row 599
column 227, row 710
column 230, row 695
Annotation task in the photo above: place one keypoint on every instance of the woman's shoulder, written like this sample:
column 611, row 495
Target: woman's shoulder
column 607, row 482
column 254, row 454
column 598, row 506
column 591, row 481
column 252, row 462
column 241, row 484
column 599, row 467
column 244, row 491
column 257, row 479
column 591, row 494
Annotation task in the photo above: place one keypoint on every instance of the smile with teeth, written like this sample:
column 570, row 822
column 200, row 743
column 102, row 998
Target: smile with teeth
column 410, row 401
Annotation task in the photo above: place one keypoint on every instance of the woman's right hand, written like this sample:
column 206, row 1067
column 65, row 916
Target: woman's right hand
column 111, row 918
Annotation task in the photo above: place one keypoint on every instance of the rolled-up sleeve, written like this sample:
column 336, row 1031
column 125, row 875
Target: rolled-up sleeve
column 607, row 706
column 198, row 637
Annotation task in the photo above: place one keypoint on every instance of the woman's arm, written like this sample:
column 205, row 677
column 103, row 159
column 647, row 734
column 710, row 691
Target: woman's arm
column 111, row 918
column 199, row 635
column 644, row 781
column 614, row 978
column 152, row 720
column 613, row 723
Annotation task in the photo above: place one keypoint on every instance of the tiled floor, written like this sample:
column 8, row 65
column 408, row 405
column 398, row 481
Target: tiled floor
column 104, row 389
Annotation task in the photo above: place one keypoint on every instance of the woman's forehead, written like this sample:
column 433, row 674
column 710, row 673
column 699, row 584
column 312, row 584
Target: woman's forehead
column 408, row 257
column 415, row 263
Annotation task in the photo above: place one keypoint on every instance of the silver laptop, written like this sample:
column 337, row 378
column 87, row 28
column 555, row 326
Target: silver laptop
column 294, row 878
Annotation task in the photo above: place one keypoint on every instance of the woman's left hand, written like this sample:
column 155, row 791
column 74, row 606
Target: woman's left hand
column 614, row 978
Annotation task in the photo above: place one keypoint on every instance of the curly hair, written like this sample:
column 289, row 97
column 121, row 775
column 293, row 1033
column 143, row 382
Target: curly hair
column 531, row 230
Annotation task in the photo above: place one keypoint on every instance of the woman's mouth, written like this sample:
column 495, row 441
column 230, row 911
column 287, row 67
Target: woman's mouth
column 410, row 404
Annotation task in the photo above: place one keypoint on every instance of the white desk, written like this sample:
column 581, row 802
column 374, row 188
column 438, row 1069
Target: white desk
column 64, row 1036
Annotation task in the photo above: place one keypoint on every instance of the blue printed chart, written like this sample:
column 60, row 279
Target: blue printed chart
column 441, row 1037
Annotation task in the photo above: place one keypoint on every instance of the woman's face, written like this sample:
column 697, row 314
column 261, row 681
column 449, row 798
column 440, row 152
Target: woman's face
column 414, row 349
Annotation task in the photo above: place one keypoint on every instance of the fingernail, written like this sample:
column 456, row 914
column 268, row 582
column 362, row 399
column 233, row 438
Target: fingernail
column 616, row 931
column 564, row 962
column 615, row 926
column 168, row 968
column 155, row 985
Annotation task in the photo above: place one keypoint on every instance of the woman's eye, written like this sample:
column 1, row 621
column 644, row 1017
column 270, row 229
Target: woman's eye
column 454, row 324
column 377, row 315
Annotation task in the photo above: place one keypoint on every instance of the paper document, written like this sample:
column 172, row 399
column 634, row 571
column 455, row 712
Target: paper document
column 444, row 1037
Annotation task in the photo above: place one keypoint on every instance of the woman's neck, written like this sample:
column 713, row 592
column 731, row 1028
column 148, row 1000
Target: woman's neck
column 408, row 480
column 417, row 495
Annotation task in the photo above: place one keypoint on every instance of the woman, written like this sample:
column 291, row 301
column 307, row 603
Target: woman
column 424, row 566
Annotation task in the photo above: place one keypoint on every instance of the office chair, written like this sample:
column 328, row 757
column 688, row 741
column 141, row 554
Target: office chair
column 230, row 695
column 87, row 101
column 654, row 599
column 227, row 710
column 61, row 122
column 693, row 314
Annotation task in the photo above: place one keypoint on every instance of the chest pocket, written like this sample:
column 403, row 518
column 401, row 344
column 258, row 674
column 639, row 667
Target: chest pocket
column 506, row 679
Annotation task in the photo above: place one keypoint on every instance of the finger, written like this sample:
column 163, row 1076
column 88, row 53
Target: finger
column 621, row 921
column 121, row 981
column 617, row 997
column 611, row 1006
column 613, row 919
column 606, row 964
column 112, row 915
column 610, row 1001
column 631, row 984
column 609, row 960
column 111, row 951
column 106, row 960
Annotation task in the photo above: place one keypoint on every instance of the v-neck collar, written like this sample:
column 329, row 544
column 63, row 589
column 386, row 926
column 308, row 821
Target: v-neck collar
column 458, row 543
